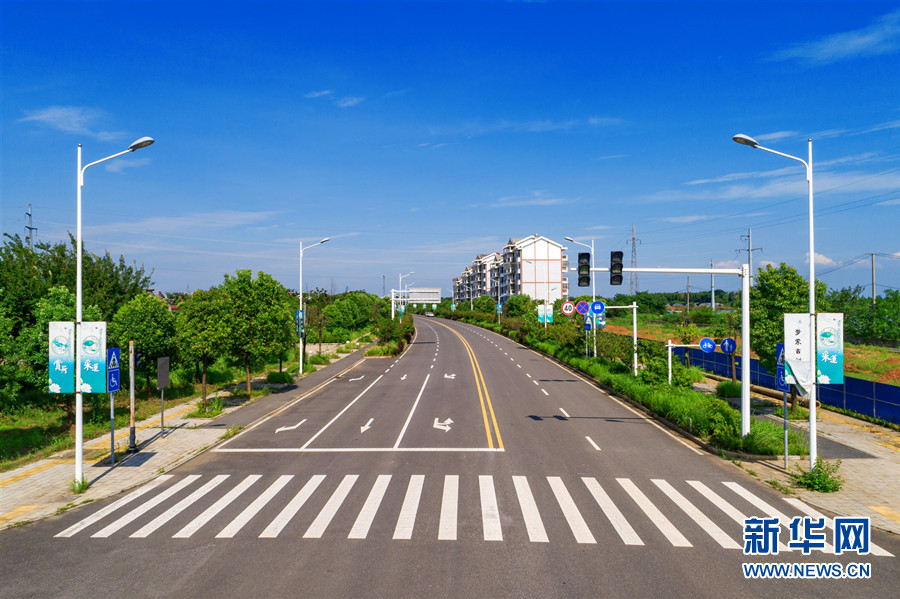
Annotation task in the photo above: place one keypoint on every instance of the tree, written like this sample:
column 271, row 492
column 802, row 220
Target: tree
column 261, row 322
column 518, row 306
column 147, row 321
column 10, row 375
column 203, row 332
column 485, row 303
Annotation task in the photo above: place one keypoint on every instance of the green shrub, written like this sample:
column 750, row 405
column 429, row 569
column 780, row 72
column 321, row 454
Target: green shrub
column 279, row 378
column 728, row 389
column 821, row 477
column 318, row 359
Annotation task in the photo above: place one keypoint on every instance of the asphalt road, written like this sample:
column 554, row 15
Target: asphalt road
column 470, row 466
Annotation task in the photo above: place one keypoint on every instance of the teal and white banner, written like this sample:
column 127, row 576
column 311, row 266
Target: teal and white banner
column 62, row 357
column 830, row 349
column 92, row 356
column 545, row 315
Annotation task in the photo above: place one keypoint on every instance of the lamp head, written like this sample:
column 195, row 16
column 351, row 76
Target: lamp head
column 141, row 143
column 746, row 140
column 326, row 239
column 569, row 239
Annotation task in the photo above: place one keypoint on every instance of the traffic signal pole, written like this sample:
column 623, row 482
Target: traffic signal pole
column 744, row 273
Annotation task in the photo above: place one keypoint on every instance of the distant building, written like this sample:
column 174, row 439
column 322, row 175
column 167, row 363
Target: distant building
column 534, row 266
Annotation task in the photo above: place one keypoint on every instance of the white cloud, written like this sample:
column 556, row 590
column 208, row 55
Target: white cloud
column 599, row 228
column 611, row 157
column 319, row 94
column 349, row 101
column 120, row 164
column 189, row 223
column 685, row 219
column 881, row 37
column 889, row 203
column 820, row 259
column 537, row 198
column 77, row 120
column 776, row 135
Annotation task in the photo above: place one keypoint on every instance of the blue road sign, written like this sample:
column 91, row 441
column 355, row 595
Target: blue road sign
column 112, row 369
column 707, row 345
column 729, row 345
column 780, row 383
column 582, row 307
column 598, row 307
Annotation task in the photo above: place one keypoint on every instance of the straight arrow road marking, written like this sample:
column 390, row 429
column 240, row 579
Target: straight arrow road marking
column 359, row 378
column 368, row 425
column 289, row 428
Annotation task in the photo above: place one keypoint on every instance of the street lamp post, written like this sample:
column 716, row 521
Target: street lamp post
column 399, row 293
column 593, row 287
column 300, row 293
column 79, row 400
column 749, row 141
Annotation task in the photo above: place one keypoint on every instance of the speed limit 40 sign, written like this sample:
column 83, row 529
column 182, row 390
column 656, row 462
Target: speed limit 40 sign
column 568, row 308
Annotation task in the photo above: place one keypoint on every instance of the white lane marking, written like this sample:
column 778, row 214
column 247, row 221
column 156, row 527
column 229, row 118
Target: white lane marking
column 512, row 359
column 138, row 512
column 412, row 411
column 449, row 507
column 766, row 508
column 367, row 514
column 519, row 365
column 289, row 428
column 536, row 382
column 431, row 367
column 490, row 513
column 179, row 507
column 388, row 370
column 102, row 513
column 528, row 375
column 564, row 413
column 829, row 523
column 317, row 528
column 290, row 510
column 364, row 449
column 358, row 378
column 407, row 519
column 533, row 522
column 210, row 512
column 341, row 413
column 544, row 391
column 251, row 510
column 576, row 522
column 612, row 513
column 696, row 515
column 594, row 445
column 662, row 523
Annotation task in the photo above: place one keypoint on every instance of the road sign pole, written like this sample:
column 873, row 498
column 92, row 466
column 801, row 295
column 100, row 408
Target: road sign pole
column 669, row 356
column 112, row 429
column 132, row 445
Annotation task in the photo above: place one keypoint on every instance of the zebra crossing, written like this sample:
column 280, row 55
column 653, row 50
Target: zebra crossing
column 580, row 509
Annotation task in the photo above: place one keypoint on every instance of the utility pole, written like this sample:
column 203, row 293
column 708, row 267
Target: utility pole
column 382, row 285
column 750, row 249
column 689, row 295
column 873, row 279
column 634, row 264
column 30, row 231
column 712, row 286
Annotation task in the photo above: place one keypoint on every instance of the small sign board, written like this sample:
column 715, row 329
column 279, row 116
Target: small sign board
column 729, row 345
column 587, row 324
column 707, row 345
column 112, row 369
column 780, row 382
column 162, row 373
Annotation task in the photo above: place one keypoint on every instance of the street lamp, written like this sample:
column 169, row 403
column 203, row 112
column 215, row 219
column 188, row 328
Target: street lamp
column 593, row 287
column 749, row 141
column 399, row 293
column 79, row 400
column 300, row 293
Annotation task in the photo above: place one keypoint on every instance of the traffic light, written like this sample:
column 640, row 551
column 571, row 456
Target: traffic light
column 138, row 361
column 584, row 269
column 615, row 268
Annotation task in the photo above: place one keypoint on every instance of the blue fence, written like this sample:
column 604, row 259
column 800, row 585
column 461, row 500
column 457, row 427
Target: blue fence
column 878, row 400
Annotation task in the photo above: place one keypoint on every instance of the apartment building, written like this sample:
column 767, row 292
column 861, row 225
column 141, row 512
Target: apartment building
column 535, row 266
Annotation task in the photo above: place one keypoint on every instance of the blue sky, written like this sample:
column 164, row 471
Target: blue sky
column 417, row 135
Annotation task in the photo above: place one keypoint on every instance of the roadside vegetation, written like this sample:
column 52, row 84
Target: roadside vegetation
column 216, row 339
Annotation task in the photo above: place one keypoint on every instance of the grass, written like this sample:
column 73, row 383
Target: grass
column 822, row 477
column 79, row 486
column 212, row 409
column 801, row 414
column 232, row 431
column 383, row 349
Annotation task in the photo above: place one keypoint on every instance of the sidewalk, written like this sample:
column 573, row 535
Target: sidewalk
column 870, row 467
column 42, row 488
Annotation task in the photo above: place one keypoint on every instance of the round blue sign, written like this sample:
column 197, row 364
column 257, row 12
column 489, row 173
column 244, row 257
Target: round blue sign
column 707, row 345
column 598, row 307
column 729, row 345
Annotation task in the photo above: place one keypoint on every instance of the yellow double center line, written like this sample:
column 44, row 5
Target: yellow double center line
column 483, row 394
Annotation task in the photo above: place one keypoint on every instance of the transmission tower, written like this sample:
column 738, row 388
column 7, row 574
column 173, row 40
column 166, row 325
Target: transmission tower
column 634, row 275
column 29, row 235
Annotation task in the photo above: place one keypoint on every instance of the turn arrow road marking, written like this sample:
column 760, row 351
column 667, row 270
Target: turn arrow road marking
column 444, row 426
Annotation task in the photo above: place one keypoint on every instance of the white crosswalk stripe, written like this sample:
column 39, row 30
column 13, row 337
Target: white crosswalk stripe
column 551, row 512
